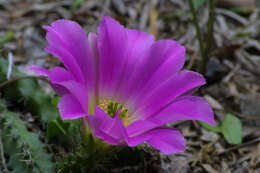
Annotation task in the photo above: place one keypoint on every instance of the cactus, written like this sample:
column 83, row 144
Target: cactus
column 27, row 95
column 24, row 149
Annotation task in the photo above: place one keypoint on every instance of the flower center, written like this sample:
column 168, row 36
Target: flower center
column 112, row 107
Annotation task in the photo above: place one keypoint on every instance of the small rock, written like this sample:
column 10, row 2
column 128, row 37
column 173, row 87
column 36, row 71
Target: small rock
column 176, row 163
column 208, row 135
column 250, row 106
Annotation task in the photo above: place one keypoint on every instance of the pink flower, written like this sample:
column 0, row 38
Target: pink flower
column 125, row 67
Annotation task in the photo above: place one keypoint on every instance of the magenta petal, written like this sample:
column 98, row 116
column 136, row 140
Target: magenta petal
column 112, row 126
column 106, row 137
column 72, row 37
column 112, row 42
column 185, row 108
column 60, row 90
column 92, row 38
column 70, row 108
column 68, row 61
column 138, row 43
column 165, row 139
column 40, row 71
column 95, row 124
column 78, row 90
column 140, row 126
column 105, row 119
column 59, row 74
column 162, row 60
column 111, row 130
column 167, row 57
column 169, row 90
column 68, row 36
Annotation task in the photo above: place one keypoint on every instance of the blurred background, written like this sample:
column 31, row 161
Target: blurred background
column 232, row 68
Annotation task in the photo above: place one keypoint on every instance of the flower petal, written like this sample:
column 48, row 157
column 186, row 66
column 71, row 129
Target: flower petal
column 140, row 126
column 68, row 35
column 39, row 70
column 112, row 44
column 185, row 108
column 68, row 61
column 168, row 57
column 70, row 108
column 95, row 124
column 138, row 44
column 92, row 38
column 165, row 139
column 162, row 60
column 159, row 97
column 111, row 130
column 59, row 74
column 56, row 75
column 106, row 137
column 78, row 90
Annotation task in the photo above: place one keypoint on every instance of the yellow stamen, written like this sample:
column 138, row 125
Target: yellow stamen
column 127, row 120
column 104, row 105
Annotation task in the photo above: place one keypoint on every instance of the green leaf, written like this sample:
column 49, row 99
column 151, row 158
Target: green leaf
column 76, row 4
column 54, row 128
column 55, row 100
column 174, row 15
column 210, row 127
column 7, row 37
column 62, row 127
column 25, row 150
column 243, row 34
column 26, row 94
column 241, row 10
column 232, row 129
column 198, row 3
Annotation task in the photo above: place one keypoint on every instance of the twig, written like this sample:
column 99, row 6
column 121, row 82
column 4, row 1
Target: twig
column 196, row 124
column 2, row 154
column 232, row 15
column 242, row 115
column 196, row 24
column 192, row 60
column 21, row 77
column 240, row 146
column 209, row 36
column 205, row 149
column 204, row 50
column 10, row 65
